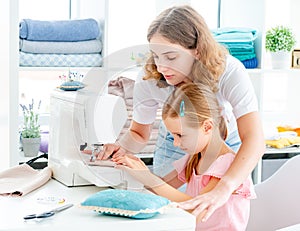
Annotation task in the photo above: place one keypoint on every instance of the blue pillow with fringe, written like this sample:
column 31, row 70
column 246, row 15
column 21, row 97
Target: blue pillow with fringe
column 118, row 202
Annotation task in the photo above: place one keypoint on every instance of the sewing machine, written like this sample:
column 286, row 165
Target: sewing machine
column 79, row 119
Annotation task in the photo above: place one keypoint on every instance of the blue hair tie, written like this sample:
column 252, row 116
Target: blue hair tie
column 182, row 108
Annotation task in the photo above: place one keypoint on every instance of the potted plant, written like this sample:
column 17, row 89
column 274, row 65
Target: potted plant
column 30, row 131
column 280, row 41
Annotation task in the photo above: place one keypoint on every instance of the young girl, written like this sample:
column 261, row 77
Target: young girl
column 192, row 114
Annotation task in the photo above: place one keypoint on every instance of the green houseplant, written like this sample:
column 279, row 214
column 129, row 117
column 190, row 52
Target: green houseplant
column 280, row 41
column 30, row 130
column 280, row 38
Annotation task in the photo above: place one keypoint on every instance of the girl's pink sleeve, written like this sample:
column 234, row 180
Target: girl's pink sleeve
column 220, row 167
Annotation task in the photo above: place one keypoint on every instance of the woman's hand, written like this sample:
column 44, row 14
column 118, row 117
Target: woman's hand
column 107, row 151
column 204, row 205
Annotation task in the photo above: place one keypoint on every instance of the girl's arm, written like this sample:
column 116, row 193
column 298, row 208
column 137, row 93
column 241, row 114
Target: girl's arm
column 137, row 168
column 172, row 179
column 251, row 150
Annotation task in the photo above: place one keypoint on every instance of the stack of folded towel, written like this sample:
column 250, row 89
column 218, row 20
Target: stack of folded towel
column 62, row 43
column 239, row 42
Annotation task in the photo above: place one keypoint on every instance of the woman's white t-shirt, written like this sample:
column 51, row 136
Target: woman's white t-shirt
column 236, row 95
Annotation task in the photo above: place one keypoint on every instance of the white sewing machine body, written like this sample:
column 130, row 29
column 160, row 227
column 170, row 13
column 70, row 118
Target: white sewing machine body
column 85, row 118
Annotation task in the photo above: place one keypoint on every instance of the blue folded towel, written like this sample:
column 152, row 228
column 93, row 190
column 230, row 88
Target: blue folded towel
column 59, row 60
column 237, row 45
column 45, row 47
column 60, row 30
column 250, row 63
column 234, row 34
column 240, row 51
column 245, row 57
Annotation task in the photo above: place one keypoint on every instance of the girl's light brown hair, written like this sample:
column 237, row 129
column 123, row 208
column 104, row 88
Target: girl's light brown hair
column 185, row 26
column 200, row 104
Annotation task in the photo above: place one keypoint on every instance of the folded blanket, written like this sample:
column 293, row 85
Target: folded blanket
column 226, row 30
column 250, row 63
column 122, row 87
column 238, row 43
column 240, row 49
column 22, row 179
column 44, row 47
column 245, row 57
column 234, row 34
column 60, row 30
column 283, row 142
column 242, row 52
column 60, row 60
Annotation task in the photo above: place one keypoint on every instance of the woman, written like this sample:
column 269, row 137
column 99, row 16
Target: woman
column 182, row 48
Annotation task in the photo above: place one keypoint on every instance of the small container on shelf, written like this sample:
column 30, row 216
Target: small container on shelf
column 72, row 82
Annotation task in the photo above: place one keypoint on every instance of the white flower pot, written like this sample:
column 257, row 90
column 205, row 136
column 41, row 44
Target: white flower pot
column 281, row 60
column 31, row 146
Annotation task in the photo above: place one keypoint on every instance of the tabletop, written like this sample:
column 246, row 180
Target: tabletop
column 54, row 194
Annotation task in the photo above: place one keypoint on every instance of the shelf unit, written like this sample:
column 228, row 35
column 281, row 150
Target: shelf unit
column 45, row 79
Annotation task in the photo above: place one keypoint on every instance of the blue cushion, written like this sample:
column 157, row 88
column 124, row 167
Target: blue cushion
column 126, row 203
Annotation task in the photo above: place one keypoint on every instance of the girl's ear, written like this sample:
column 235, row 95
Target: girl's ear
column 207, row 125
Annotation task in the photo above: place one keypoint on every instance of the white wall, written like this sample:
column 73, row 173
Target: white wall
column 295, row 19
column 128, row 23
column 9, row 83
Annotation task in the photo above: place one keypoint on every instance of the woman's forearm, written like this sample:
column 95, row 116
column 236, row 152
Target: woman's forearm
column 131, row 142
column 136, row 138
column 250, row 152
column 242, row 166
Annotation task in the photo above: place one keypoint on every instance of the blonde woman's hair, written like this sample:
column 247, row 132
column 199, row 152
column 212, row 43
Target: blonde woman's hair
column 194, row 103
column 185, row 26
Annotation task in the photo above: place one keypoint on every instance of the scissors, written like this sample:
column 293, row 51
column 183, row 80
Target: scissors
column 49, row 213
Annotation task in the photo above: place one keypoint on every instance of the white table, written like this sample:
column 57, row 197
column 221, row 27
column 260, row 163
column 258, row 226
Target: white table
column 13, row 209
column 291, row 228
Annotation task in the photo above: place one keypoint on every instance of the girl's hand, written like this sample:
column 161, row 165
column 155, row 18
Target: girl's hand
column 204, row 205
column 129, row 160
column 137, row 169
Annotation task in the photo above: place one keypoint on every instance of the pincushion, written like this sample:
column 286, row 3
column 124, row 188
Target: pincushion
column 126, row 203
column 71, row 85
